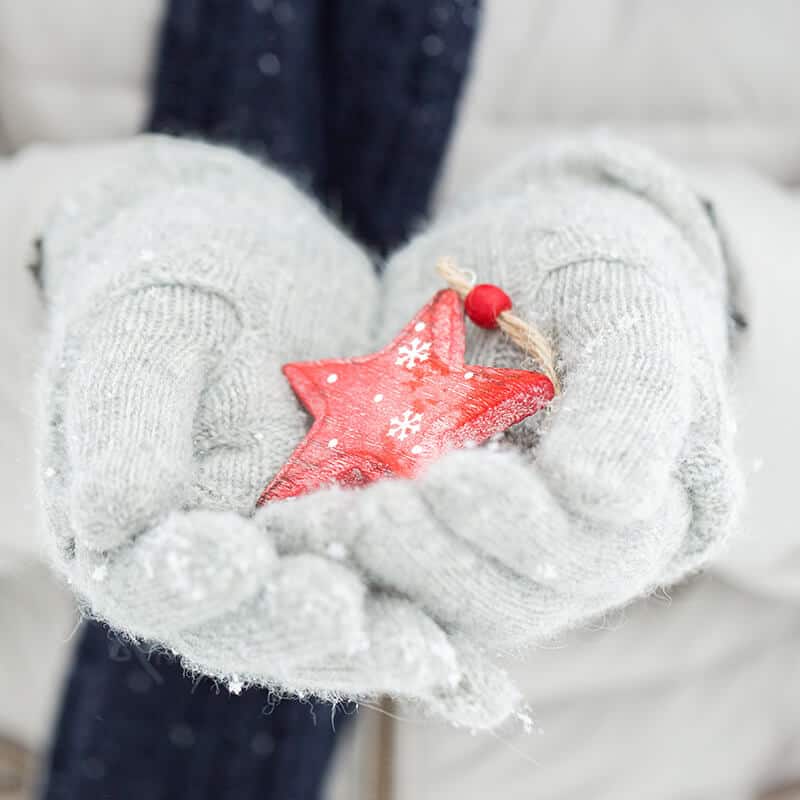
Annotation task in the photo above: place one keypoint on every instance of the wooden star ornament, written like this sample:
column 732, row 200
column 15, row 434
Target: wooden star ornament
column 396, row 411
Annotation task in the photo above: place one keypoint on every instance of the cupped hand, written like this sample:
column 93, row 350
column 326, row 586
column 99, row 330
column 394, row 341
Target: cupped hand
column 629, row 482
column 179, row 281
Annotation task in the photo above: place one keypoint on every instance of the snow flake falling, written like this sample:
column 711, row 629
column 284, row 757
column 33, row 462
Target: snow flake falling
column 415, row 352
column 402, row 427
column 269, row 64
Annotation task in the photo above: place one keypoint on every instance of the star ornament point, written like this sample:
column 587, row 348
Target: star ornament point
column 394, row 412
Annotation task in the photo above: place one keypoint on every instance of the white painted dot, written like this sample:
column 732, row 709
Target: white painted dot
column 416, row 449
column 468, row 375
column 377, row 398
column 333, row 442
column 333, row 377
column 420, row 326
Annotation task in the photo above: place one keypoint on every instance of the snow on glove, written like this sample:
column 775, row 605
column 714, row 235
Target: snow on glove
column 630, row 482
column 179, row 281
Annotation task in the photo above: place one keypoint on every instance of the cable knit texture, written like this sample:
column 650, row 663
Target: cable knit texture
column 183, row 280
column 179, row 282
column 630, row 482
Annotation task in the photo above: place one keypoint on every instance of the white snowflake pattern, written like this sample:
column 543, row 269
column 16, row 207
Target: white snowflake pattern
column 402, row 427
column 412, row 353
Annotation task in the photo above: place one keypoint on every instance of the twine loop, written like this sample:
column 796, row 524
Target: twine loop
column 525, row 335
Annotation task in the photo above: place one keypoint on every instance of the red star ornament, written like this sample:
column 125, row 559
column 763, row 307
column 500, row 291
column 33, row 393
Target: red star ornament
column 396, row 411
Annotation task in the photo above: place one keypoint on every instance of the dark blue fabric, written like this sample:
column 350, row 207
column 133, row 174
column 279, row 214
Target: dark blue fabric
column 137, row 728
column 356, row 99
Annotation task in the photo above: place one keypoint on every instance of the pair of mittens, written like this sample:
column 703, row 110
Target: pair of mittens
column 182, row 279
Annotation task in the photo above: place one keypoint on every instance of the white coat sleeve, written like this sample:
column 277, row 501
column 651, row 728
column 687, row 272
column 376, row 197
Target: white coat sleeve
column 759, row 222
column 31, row 182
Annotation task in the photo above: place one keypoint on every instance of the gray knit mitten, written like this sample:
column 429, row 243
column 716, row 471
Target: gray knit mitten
column 179, row 281
column 629, row 482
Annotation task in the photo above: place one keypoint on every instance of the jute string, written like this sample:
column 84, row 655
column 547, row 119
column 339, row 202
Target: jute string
column 526, row 336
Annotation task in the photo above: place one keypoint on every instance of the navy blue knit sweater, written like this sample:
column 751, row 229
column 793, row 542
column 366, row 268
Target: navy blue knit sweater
column 356, row 98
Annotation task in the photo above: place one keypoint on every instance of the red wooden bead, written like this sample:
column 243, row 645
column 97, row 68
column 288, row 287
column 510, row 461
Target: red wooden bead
column 485, row 303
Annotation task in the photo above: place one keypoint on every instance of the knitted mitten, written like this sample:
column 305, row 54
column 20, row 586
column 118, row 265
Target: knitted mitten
column 179, row 281
column 629, row 483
